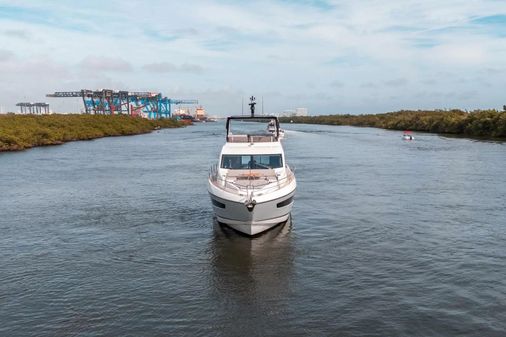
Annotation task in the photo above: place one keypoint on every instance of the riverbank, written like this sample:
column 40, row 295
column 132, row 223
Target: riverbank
column 482, row 123
column 19, row 132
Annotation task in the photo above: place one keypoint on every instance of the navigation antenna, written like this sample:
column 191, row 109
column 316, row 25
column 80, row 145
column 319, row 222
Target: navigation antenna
column 252, row 105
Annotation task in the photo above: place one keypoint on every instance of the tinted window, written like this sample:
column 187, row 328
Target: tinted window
column 257, row 162
column 285, row 202
column 217, row 203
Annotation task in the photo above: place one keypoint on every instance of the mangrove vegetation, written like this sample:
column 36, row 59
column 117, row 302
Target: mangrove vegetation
column 18, row 132
column 479, row 123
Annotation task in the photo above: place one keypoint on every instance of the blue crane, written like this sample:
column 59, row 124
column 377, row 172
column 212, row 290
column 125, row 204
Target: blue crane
column 111, row 102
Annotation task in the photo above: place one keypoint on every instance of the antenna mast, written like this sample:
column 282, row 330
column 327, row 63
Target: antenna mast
column 252, row 105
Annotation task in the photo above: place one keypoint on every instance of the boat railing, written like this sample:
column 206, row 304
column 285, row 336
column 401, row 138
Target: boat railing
column 253, row 185
column 251, row 138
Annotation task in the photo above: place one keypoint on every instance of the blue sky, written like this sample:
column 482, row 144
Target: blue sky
column 342, row 56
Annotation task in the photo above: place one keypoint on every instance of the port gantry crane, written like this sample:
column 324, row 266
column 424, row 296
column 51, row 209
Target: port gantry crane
column 33, row 108
column 111, row 102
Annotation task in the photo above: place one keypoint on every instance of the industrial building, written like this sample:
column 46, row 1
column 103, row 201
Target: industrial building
column 297, row 112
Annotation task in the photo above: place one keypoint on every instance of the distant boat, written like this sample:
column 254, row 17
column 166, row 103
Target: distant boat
column 187, row 119
column 271, row 127
column 408, row 136
column 200, row 114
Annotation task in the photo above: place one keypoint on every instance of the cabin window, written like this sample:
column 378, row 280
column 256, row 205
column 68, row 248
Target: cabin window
column 217, row 203
column 256, row 162
column 285, row 202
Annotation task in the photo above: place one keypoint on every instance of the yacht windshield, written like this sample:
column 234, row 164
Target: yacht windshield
column 256, row 127
column 244, row 162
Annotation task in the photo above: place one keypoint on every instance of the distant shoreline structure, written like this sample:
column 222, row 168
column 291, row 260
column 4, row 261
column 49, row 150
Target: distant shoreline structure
column 488, row 124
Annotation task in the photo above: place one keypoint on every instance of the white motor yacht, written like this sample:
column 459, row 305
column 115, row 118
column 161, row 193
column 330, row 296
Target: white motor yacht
column 271, row 127
column 408, row 136
column 252, row 187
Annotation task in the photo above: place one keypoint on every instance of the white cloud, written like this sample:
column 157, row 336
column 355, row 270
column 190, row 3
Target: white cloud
column 6, row 55
column 458, row 54
column 219, row 51
column 104, row 63
column 17, row 33
column 167, row 67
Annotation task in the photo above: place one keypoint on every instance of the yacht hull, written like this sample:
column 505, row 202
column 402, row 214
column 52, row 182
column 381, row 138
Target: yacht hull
column 264, row 215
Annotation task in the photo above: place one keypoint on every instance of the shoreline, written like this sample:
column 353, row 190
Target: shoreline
column 479, row 124
column 22, row 132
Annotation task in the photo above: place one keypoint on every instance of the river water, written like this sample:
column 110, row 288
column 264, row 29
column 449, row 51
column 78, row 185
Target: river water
column 115, row 237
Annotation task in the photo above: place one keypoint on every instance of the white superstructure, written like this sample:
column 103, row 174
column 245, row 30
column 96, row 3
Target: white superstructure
column 252, row 187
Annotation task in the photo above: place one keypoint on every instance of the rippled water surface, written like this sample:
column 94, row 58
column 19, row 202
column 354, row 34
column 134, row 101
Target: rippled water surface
column 115, row 237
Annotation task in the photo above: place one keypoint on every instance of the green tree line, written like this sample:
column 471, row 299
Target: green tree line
column 18, row 132
column 479, row 123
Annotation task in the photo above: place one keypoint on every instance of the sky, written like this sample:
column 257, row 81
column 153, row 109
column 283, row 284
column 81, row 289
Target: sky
column 332, row 57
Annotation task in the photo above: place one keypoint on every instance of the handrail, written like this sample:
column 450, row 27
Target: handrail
column 228, row 184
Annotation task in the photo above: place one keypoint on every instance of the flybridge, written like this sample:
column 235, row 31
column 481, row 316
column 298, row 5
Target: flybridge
column 111, row 102
column 256, row 137
column 267, row 136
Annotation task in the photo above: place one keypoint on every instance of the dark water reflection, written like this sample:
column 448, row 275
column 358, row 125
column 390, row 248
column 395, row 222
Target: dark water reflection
column 254, row 274
column 115, row 237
